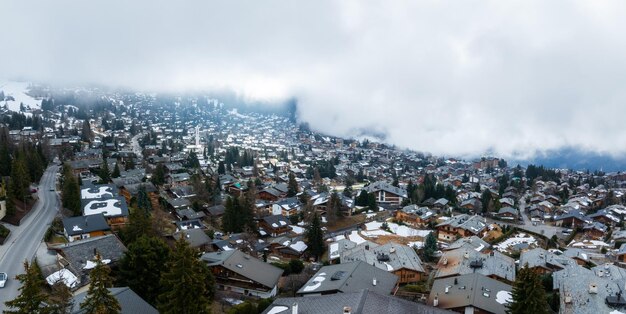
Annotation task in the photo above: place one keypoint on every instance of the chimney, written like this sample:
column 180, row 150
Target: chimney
column 593, row 288
column 392, row 249
column 294, row 308
column 374, row 281
column 466, row 255
column 347, row 310
column 367, row 247
column 436, row 300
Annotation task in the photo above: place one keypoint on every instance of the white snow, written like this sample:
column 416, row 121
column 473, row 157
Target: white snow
column 316, row 283
column 355, row 237
column 334, row 250
column 68, row 278
column 375, row 233
column 18, row 90
column 277, row 309
column 480, row 248
column 370, row 215
column 389, row 267
column 91, row 264
column 297, row 230
column 108, row 208
column 416, row 244
column 102, row 191
column 77, row 228
column 503, row 297
column 299, row 246
column 517, row 239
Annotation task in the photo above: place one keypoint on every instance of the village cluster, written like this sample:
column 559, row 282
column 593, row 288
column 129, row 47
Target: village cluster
column 317, row 223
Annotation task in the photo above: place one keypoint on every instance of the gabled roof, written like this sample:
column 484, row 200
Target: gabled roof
column 385, row 186
column 85, row 224
column 195, row 237
column 467, row 259
column 350, row 277
column 390, row 257
column 129, row 301
column 77, row 253
column 361, row 302
column 246, row 266
column 466, row 222
column 473, row 290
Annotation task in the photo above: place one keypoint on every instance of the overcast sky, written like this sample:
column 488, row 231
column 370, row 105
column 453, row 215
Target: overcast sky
column 449, row 77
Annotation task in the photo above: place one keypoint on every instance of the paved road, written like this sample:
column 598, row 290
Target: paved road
column 25, row 239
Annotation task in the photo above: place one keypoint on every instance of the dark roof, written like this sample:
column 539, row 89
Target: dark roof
column 178, row 202
column 195, row 237
column 85, row 224
column 473, row 290
column 246, row 266
column 129, row 301
column 77, row 253
column 188, row 214
column 361, row 302
column 350, row 277
column 276, row 221
column 216, row 210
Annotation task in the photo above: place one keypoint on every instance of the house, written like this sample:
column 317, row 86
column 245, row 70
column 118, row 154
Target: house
column 79, row 256
column 596, row 290
column 270, row 194
column 595, row 230
column 472, row 204
column 461, row 226
column 238, row 272
column 336, row 248
column 196, row 238
column 189, row 214
column 83, row 227
column 291, row 248
column 505, row 201
column 572, row 219
column 320, row 203
column 395, row 258
column 216, row 211
column 386, row 194
column 508, row 213
column 104, row 199
column 543, row 262
column 349, row 277
column 129, row 301
column 467, row 260
column 621, row 253
column 275, row 225
column 471, row 293
column 415, row 215
column 286, row 207
column 361, row 302
column 475, row 242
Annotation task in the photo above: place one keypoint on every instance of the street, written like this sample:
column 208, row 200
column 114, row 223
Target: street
column 25, row 239
column 541, row 228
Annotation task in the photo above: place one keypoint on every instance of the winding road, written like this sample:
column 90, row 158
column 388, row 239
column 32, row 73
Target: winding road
column 24, row 240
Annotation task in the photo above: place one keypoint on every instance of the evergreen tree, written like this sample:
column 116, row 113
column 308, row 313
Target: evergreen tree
column 105, row 174
column 99, row 299
column 10, row 198
column 31, row 298
column 292, row 187
column 528, row 295
column 142, row 265
column 20, row 177
column 143, row 201
column 188, row 285
column 86, row 133
column 71, row 192
column 371, row 202
column 60, row 299
column 315, row 237
column 333, row 208
column 362, row 199
column 130, row 164
column 220, row 168
column 430, row 247
column 139, row 225
column 158, row 176
column 116, row 171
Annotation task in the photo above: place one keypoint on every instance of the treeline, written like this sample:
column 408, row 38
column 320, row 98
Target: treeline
column 430, row 189
column 18, row 120
column 233, row 156
column 533, row 172
column 19, row 166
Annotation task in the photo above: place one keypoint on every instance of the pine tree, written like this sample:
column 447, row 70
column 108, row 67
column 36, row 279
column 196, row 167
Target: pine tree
column 220, row 168
column 188, row 285
column 86, row 134
column 138, row 226
column 158, row 176
column 20, row 177
column 105, row 174
column 292, row 187
column 10, row 198
column 31, row 298
column 315, row 237
column 60, row 299
column 333, row 206
column 71, row 192
column 528, row 294
column 430, row 247
column 362, row 199
column 142, row 265
column 116, row 171
column 99, row 299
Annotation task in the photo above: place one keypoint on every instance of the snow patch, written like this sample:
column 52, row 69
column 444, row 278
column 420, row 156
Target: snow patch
column 504, row 297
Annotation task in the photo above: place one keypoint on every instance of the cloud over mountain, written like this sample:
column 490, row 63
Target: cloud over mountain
column 455, row 78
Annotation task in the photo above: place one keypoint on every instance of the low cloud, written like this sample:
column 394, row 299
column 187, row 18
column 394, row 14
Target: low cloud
column 513, row 78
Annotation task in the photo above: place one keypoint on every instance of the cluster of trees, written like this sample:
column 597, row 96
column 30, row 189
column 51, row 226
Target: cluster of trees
column 239, row 213
column 174, row 280
column 430, row 189
column 315, row 237
column 292, row 186
column 533, row 172
column 233, row 156
column 325, row 169
column 366, row 199
column 18, row 120
column 36, row 297
column 528, row 294
column 70, row 194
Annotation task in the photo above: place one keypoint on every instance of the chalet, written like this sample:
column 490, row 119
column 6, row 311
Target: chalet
column 595, row 230
column 196, row 238
column 386, row 194
column 349, row 277
column 505, row 201
column 466, row 260
column 189, row 214
column 572, row 219
column 104, row 199
column 472, row 204
column 289, row 248
column 508, row 213
column 286, row 207
column 604, row 216
column 320, row 203
column 544, row 262
column 415, row 215
column 395, row 258
column 240, row 273
column 269, row 194
column 461, row 226
column 83, row 227
column 471, row 293
column 275, row 225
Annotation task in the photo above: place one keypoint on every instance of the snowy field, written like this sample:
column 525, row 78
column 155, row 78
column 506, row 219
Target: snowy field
column 374, row 229
column 18, row 90
column 515, row 240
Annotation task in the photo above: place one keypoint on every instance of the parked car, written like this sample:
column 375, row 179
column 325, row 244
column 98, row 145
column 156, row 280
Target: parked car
column 3, row 279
